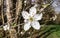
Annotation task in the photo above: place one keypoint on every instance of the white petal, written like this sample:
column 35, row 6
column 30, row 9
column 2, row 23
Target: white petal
column 8, row 28
column 32, row 11
column 26, row 20
column 27, row 26
column 36, row 25
column 25, row 15
column 38, row 16
column 5, row 27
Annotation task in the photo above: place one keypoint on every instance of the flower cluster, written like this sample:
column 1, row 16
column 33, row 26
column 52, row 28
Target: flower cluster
column 6, row 27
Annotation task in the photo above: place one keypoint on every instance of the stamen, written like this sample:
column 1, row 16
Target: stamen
column 31, row 19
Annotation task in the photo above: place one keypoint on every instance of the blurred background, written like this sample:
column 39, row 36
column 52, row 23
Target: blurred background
column 10, row 14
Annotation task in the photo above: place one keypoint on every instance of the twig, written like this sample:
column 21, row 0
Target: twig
column 2, row 12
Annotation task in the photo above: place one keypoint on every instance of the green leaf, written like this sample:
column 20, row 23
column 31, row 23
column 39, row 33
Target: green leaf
column 45, row 5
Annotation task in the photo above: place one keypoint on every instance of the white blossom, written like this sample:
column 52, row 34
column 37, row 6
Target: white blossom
column 31, row 19
column 6, row 27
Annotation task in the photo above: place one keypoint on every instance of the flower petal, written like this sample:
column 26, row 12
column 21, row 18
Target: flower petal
column 8, row 27
column 36, row 25
column 27, row 26
column 25, row 15
column 32, row 11
column 26, row 20
column 5, row 27
column 38, row 16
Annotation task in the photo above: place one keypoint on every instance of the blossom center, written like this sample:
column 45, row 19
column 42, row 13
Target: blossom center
column 31, row 19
